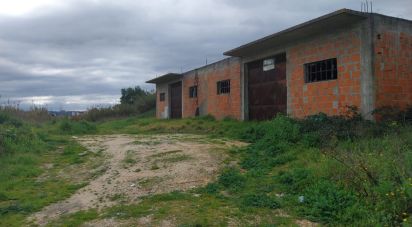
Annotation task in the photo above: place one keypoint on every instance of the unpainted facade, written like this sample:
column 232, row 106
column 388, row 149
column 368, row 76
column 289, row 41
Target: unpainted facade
column 346, row 58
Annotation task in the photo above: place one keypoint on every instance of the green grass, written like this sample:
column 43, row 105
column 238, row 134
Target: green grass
column 349, row 172
column 346, row 171
column 24, row 192
column 186, row 209
column 27, row 184
column 150, row 125
column 76, row 219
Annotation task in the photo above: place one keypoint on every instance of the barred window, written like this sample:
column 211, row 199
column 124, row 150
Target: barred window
column 162, row 97
column 223, row 87
column 193, row 92
column 321, row 70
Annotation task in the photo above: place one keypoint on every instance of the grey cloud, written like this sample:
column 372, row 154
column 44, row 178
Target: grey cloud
column 94, row 48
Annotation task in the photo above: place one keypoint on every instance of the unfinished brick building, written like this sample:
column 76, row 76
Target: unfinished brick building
column 345, row 58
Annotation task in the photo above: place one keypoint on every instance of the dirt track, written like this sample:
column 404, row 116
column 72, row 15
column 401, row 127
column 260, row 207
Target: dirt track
column 141, row 165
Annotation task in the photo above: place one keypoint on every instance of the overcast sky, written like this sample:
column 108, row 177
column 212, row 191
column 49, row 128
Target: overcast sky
column 73, row 54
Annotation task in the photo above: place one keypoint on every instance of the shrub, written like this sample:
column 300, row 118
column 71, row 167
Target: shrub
column 117, row 111
column 4, row 118
column 229, row 118
column 390, row 114
column 295, row 180
column 232, row 179
column 321, row 130
column 34, row 115
column 76, row 127
column 65, row 126
column 133, row 102
column 208, row 117
column 212, row 188
column 136, row 95
column 329, row 203
column 276, row 137
column 15, row 135
column 408, row 114
column 254, row 132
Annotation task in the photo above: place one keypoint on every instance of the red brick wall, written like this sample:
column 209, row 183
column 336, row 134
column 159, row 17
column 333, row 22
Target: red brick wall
column 209, row 102
column 393, row 69
column 330, row 97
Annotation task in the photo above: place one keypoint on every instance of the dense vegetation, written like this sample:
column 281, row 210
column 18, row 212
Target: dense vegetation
column 133, row 101
column 29, row 151
column 332, row 170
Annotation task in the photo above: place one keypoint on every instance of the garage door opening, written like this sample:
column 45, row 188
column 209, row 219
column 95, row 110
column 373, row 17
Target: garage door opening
column 267, row 89
column 176, row 100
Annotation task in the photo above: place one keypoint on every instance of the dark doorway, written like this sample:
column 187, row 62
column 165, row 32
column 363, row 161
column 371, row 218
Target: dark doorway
column 176, row 100
column 267, row 89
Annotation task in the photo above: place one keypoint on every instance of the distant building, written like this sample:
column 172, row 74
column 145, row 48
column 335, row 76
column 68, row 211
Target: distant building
column 63, row 113
column 345, row 58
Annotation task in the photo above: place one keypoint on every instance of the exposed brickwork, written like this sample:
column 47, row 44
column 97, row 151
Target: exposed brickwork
column 367, row 78
column 393, row 69
column 330, row 97
column 208, row 101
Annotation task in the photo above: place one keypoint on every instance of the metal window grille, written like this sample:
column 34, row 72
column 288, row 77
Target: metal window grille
column 223, row 87
column 193, row 92
column 321, row 70
column 162, row 97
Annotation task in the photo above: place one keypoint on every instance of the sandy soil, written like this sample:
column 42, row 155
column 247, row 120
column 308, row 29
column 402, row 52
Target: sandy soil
column 137, row 166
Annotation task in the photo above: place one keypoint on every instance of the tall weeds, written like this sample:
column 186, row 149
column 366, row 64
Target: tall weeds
column 346, row 170
column 34, row 115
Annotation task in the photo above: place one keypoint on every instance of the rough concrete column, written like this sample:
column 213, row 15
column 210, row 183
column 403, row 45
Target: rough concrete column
column 289, row 68
column 244, row 91
column 367, row 68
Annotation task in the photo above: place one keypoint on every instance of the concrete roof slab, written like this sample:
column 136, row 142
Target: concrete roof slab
column 165, row 78
column 319, row 25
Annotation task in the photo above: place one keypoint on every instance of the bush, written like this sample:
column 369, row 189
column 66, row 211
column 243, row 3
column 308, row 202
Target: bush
column 208, row 117
column 16, row 135
column 358, row 171
column 272, row 140
column 295, row 180
column 76, row 127
column 232, row 179
column 212, row 188
column 255, row 132
column 134, row 101
column 4, row 118
column 390, row 114
column 34, row 115
column 329, row 203
column 65, row 126
column 321, row 130
column 117, row 111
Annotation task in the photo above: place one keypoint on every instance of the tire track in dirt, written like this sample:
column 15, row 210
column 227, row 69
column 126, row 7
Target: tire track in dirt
column 138, row 166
